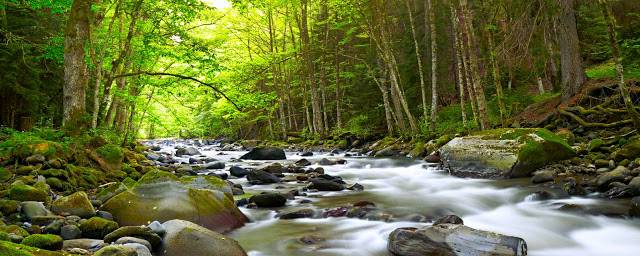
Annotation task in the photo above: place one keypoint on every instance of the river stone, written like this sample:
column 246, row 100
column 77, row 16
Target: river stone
column 68, row 232
column 297, row 214
column 303, row 162
column 22, row 192
column 238, row 171
column 504, row 153
column 258, row 177
column 140, row 232
column 274, row 168
column 269, row 200
column 187, row 238
column 35, row 159
column 449, row 219
column 116, row 250
column 157, row 227
column 86, row 244
column 97, row 227
column 265, row 153
column 617, row 175
column 190, row 151
column 32, row 209
column 634, row 211
column 214, row 165
column 134, row 240
column 140, row 249
column 75, row 204
column 325, row 185
column 161, row 196
column 110, row 191
column 634, row 186
column 630, row 151
column 543, row 176
column 453, row 239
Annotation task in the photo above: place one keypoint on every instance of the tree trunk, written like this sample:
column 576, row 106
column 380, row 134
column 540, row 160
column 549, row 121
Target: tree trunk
column 306, row 49
column 416, row 47
column 75, row 68
column 477, row 86
column 434, row 65
column 459, row 67
column 540, row 85
column 464, row 47
column 573, row 75
column 615, row 52
column 496, row 79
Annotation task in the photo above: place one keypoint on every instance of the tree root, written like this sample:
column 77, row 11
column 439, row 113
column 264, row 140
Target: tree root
column 591, row 125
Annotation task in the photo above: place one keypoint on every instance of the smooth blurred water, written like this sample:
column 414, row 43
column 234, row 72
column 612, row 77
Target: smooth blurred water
column 405, row 188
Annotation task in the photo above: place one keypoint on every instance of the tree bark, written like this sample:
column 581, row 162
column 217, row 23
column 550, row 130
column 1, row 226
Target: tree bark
column 573, row 75
column 75, row 68
column 477, row 86
column 416, row 47
column 496, row 79
column 459, row 67
column 615, row 52
column 434, row 65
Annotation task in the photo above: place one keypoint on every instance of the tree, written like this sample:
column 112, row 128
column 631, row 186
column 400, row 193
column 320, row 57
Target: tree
column 75, row 68
column 573, row 75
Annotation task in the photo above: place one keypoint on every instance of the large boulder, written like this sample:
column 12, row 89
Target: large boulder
column 190, row 151
column 504, row 153
column 453, row 239
column 158, row 195
column 265, row 153
column 75, row 204
column 630, row 151
column 187, row 238
column 258, row 177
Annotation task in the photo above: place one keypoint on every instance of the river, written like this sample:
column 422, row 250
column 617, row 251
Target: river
column 406, row 188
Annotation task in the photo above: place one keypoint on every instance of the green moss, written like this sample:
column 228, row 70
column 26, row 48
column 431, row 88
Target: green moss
column 22, row 192
column 5, row 174
column 243, row 196
column 54, row 173
column 8, row 207
column 111, row 153
column 14, row 229
column 56, row 184
column 110, row 191
column 97, row 227
column 11, row 249
column 47, row 242
column 129, row 182
column 4, row 236
column 595, row 144
column 157, row 176
column 444, row 139
column 418, row 150
column 538, row 152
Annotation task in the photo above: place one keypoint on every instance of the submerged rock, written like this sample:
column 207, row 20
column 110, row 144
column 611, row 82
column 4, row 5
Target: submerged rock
column 257, row 177
column 325, row 185
column 453, row 239
column 158, row 195
column 265, row 153
column 504, row 153
column 187, row 238
column 190, row 151
column 269, row 200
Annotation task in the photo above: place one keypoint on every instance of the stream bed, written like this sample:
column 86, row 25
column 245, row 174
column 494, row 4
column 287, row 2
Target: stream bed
column 413, row 194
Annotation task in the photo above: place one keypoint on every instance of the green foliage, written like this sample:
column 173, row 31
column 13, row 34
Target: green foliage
column 111, row 153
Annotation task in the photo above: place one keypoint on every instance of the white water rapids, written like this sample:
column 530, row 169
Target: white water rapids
column 406, row 187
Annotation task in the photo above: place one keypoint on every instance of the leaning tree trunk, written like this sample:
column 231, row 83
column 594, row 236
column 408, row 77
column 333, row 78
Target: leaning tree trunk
column 615, row 51
column 477, row 86
column 573, row 75
column 423, row 87
column 459, row 67
column 75, row 67
column 434, row 64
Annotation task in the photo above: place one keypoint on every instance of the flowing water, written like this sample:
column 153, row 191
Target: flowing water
column 404, row 188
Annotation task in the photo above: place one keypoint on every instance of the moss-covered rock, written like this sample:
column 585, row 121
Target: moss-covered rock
column 630, row 151
column 57, row 184
column 47, row 242
column 504, row 153
column 57, row 173
column 595, row 144
column 11, row 249
column 187, row 238
column 110, row 191
column 8, row 207
column 97, row 227
column 75, row 204
column 22, row 192
column 141, row 232
column 116, row 250
column 25, row 169
column 162, row 196
column 5, row 174
column 14, row 229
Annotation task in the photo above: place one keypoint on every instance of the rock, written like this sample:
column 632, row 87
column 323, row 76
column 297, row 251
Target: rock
column 325, row 161
column 540, row 196
column 572, row 187
column 335, row 212
column 567, row 135
column 269, row 200
column 47, row 242
column 190, row 151
column 634, row 186
column 104, row 215
column 601, row 163
column 449, row 219
column 86, row 244
column 303, row 162
column 325, row 185
column 32, row 209
column 453, row 239
column 68, row 232
column 14, row 229
column 22, row 192
column 634, row 211
column 356, row 187
column 258, row 177
column 152, row 156
column 543, row 176
column 140, row 249
column 110, row 191
column 214, row 165
column 311, row 239
column 595, row 144
column 35, row 159
column 140, row 232
column 161, row 196
column 135, row 240
column 504, row 153
column 157, row 228
column 97, row 227
column 631, row 150
column 75, row 204
column 297, row 214
column 7, row 207
column 116, row 250
column 238, row 171
column 306, row 153
column 187, row 238
column 265, row 153
column 433, row 158
column 274, row 168
column 617, row 174
column 389, row 151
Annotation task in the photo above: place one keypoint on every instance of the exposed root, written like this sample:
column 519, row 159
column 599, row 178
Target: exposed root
column 591, row 125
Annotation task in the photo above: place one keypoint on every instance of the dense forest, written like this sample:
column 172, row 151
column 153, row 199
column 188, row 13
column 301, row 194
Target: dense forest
column 326, row 127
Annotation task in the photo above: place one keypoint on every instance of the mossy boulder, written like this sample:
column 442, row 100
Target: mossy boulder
column 631, row 150
column 595, row 144
column 44, row 241
column 504, row 153
column 116, row 250
column 97, row 227
column 161, row 196
column 75, row 204
column 187, row 238
column 23, row 192
column 11, row 249
column 8, row 207
column 14, row 229
column 141, row 232
column 110, row 191
column 5, row 174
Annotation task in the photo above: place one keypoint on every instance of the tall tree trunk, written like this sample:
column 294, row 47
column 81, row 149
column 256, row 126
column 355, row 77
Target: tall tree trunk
column 338, row 97
column 496, row 78
column 75, row 68
column 416, row 47
column 307, row 56
column 477, row 86
column 464, row 47
column 573, row 75
column 459, row 67
column 434, row 64
column 615, row 52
